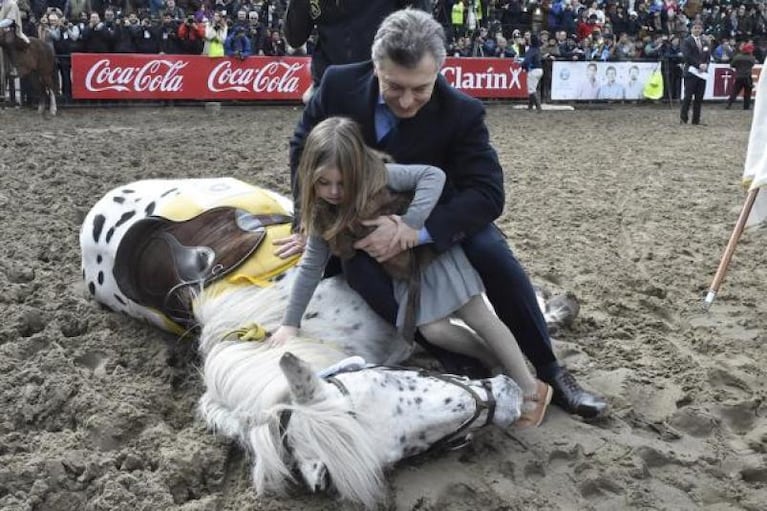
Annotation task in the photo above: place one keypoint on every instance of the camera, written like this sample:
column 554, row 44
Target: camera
column 189, row 20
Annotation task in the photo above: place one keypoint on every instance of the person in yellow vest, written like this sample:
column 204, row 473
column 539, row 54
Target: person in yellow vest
column 10, row 14
column 458, row 19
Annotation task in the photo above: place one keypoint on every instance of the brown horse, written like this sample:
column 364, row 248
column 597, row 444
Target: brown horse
column 36, row 57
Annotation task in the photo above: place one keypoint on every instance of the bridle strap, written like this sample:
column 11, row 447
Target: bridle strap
column 481, row 406
column 339, row 385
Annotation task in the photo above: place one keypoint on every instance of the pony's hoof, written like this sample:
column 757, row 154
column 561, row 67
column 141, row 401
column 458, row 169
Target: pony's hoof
column 562, row 310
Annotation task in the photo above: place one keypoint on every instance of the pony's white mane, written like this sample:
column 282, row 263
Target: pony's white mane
column 326, row 430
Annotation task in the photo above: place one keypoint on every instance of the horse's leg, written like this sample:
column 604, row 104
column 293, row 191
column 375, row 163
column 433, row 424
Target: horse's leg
column 43, row 93
column 53, row 101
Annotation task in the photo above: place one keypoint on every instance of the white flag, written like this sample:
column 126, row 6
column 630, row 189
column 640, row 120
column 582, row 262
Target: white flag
column 755, row 172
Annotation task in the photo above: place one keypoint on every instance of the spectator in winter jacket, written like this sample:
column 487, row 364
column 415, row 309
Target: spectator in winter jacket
column 238, row 44
column 191, row 36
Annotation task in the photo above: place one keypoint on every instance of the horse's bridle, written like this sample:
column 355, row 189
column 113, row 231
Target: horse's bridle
column 455, row 439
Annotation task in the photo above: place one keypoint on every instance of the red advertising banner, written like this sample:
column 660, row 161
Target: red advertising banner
column 486, row 78
column 141, row 76
column 197, row 77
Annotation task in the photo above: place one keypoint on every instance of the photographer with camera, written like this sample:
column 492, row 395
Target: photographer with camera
column 191, row 36
column 216, row 31
column 64, row 36
column 274, row 46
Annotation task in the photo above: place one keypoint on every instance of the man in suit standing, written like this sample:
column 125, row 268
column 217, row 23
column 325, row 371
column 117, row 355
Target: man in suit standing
column 696, row 54
column 407, row 109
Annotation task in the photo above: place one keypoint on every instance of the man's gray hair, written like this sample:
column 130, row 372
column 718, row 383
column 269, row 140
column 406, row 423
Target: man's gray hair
column 405, row 36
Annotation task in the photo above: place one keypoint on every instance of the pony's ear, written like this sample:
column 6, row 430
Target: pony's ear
column 304, row 385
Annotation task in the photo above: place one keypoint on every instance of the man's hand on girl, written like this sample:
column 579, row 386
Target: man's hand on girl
column 381, row 244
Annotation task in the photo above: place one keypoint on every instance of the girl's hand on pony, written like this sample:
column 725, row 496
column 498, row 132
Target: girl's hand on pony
column 406, row 236
column 289, row 246
column 281, row 336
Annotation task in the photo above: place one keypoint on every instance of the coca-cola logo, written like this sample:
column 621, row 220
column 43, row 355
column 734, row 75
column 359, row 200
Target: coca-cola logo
column 276, row 76
column 152, row 76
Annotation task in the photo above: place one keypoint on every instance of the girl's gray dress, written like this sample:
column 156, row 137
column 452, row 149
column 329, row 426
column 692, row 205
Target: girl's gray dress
column 447, row 283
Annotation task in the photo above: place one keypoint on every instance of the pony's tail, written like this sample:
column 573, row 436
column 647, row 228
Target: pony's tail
column 329, row 431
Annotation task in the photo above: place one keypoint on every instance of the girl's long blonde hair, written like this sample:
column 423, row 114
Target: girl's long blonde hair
column 338, row 142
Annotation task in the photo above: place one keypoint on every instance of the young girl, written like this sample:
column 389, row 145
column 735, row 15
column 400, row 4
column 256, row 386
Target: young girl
column 342, row 182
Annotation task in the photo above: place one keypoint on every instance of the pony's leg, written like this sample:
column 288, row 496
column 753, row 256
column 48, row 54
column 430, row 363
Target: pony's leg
column 458, row 339
column 53, row 101
column 41, row 104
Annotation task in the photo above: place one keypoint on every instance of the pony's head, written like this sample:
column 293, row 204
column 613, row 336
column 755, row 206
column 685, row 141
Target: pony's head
column 8, row 36
column 344, row 431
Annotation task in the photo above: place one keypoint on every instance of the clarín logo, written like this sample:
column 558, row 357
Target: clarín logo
column 488, row 79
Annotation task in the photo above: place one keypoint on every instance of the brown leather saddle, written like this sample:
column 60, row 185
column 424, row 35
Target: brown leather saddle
column 162, row 263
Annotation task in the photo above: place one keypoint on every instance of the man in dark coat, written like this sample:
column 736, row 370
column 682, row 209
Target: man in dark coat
column 345, row 28
column 407, row 109
column 696, row 53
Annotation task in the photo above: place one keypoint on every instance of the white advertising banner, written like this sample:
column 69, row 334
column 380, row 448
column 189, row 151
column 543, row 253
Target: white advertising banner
column 600, row 80
column 589, row 81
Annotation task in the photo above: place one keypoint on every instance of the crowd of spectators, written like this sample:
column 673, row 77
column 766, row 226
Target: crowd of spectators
column 570, row 29
column 250, row 27
column 606, row 30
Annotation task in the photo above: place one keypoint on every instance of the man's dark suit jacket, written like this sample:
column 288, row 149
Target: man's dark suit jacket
column 692, row 56
column 345, row 28
column 448, row 132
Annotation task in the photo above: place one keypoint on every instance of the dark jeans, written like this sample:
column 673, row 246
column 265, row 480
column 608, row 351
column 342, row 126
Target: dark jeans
column 65, row 67
column 746, row 85
column 507, row 285
column 694, row 88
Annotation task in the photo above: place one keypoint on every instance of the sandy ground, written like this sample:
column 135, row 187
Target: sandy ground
column 619, row 205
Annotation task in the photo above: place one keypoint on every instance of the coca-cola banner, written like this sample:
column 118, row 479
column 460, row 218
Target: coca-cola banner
column 140, row 76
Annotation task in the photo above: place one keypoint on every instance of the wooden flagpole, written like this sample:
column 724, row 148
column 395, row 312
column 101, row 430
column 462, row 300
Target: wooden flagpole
column 730, row 250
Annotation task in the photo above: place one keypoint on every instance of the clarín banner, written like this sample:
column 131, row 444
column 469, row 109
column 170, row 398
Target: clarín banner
column 197, row 77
